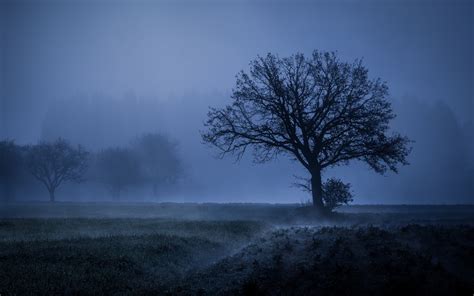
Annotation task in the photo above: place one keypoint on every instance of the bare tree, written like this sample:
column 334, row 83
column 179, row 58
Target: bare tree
column 10, row 168
column 318, row 110
column 159, row 161
column 55, row 163
column 118, row 169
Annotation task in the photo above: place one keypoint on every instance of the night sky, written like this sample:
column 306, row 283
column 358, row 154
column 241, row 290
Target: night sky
column 158, row 65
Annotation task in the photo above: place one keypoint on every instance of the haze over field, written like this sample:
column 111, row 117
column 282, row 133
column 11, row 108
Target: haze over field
column 253, row 147
column 100, row 74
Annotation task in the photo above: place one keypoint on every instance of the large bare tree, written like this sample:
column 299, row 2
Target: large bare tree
column 319, row 110
column 56, row 162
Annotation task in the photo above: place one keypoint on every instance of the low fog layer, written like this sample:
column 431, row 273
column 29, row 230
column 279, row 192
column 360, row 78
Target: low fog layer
column 102, row 74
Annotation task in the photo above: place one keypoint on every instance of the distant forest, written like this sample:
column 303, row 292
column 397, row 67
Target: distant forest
column 148, row 165
column 109, row 122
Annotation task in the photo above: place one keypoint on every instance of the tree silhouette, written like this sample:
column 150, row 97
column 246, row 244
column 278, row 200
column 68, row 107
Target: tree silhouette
column 319, row 110
column 118, row 169
column 336, row 193
column 11, row 166
column 159, row 161
column 55, row 163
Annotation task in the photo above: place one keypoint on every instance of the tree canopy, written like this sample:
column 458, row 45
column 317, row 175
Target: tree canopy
column 319, row 110
column 53, row 163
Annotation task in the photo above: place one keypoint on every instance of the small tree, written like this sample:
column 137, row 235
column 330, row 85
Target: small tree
column 320, row 111
column 55, row 163
column 11, row 165
column 118, row 169
column 159, row 161
column 336, row 193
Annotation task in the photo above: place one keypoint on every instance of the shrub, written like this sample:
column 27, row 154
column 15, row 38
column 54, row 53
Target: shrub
column 336, row 193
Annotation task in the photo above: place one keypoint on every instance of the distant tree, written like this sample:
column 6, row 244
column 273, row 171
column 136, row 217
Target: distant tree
column 318, row 110
column 159, row 161
column 336, row 193
column 11, row 164
column 118, row 169
column 53, row 163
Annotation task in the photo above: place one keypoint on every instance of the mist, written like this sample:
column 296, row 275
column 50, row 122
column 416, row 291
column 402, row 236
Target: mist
column 240, row 147
column 101, row 74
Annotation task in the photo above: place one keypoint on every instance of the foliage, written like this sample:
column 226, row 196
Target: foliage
column 11, row 164
column 336, row 193
column 9, row 159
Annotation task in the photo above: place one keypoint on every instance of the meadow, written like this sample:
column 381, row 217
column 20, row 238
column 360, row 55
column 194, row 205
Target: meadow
column 234, row 249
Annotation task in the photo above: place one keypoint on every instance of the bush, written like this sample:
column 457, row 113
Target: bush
column 336, row 193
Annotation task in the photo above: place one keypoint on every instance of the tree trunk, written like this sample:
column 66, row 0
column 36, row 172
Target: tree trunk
column 317, row 190
column 52, row 198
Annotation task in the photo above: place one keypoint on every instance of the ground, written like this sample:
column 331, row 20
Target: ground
column 234, row 249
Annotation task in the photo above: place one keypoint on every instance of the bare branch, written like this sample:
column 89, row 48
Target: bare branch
column 318, row 110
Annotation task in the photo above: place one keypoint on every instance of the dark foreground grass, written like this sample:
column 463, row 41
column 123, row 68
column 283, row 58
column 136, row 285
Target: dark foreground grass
column 408, row 260
column 227, row 232
column 110, row 256
column 108, row 265
column 278, row 251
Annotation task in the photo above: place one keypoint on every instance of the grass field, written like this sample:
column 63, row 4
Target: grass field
column 252, row 249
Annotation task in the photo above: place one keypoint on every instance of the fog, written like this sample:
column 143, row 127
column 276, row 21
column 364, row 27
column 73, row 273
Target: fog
column 102, row 73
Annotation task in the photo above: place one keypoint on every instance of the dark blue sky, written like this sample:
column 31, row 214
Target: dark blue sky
column 185, row 56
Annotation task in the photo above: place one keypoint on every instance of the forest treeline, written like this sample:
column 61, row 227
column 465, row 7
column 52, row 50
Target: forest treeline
column 149, row 163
